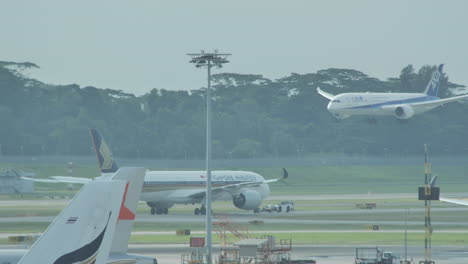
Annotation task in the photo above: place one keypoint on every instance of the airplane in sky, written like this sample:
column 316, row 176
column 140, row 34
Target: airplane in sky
column 131, row 181
column 163, row 189
column 400, row 105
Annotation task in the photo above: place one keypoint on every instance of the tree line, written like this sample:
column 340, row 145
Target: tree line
column 253, row 117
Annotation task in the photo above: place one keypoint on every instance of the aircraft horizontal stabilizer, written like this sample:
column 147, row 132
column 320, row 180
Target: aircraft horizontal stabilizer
column 455, row 201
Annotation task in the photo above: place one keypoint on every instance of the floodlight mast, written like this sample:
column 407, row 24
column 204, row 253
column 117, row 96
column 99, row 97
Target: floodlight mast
column 208, row 60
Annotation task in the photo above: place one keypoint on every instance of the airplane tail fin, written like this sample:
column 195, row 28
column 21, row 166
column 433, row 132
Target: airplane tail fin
column 83, row 231
column 432, row 88
column 134, row 184
column 104, row 156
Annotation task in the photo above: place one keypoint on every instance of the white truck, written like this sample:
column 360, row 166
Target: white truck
column 283, row 206
column 375, row 255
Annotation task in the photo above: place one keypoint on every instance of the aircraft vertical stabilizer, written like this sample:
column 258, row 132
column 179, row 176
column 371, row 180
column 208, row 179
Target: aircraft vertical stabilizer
column 104, row 155
column 84, row 230
column 432, row 88
column 134, row 184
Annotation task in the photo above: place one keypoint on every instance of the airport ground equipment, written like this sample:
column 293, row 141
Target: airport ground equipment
column 389, row 257
column 375, row 255
column 368, row 255
column 223, row 226
column 286, row 206
column 366, row 205
column 427, row 194
column 283, row 206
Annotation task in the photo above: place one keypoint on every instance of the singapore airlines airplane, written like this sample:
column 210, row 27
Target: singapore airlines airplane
column 132, row 179
column 163, row 189
column 400, row 105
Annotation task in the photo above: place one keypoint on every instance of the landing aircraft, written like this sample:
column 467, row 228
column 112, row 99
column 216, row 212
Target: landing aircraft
column 163, row 189
column 91, row 204
column 400, row 105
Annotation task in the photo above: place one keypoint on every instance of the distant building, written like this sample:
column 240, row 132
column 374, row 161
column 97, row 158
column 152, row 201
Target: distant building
column 11, row 182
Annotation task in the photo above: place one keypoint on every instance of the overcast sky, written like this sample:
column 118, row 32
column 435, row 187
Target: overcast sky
column 139, row 45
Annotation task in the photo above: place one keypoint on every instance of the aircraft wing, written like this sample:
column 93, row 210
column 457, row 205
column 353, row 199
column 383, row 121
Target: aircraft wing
column 454, row 201
column 325, row 94
column 435, row 103
column 60, row 179
column 200, row 193
column 67, row 179
column 231, row 188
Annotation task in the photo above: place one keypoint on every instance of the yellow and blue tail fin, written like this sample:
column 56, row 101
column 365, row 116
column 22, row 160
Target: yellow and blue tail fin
column 104, row 155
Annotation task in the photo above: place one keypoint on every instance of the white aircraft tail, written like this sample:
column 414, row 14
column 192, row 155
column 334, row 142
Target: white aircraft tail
column 83, row 231
column 134, row 184
column 432, row 88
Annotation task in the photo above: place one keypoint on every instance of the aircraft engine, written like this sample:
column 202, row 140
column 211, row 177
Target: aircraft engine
column 247, row 200
column 404, row 112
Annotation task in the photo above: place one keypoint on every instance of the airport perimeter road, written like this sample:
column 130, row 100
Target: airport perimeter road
column 324, row 254
column 371, row 196
column 330, row 254
column 188, row 218
column 356, row 196
column 313, row 231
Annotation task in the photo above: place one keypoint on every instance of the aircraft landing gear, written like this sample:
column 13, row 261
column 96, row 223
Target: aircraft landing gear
column 159, row 211
column 372, row 121
column 200, row 211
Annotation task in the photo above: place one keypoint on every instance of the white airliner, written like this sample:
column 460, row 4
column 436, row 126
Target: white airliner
column 91, row 204
column 400, row 105
column 82, row 232
column 163, row 189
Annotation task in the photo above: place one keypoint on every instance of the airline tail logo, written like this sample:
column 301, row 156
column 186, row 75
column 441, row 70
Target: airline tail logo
column 432, row 87
column 86, row 254
column 125, row 213
column 104, row 155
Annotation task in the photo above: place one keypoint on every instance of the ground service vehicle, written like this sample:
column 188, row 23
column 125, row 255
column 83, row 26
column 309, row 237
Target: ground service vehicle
column 284, row 206
column 375, row 255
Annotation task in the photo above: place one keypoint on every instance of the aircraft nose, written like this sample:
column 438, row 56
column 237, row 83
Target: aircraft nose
column 330, row 106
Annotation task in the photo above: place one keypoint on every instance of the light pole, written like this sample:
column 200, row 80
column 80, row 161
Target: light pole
column 208, row 60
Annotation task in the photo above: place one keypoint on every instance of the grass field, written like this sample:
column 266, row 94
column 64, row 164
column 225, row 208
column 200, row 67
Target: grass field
column 325, row 239
column 306, row 180
column 320, row 179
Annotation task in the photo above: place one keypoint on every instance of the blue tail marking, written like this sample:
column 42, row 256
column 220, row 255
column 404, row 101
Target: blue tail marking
column 432, row 88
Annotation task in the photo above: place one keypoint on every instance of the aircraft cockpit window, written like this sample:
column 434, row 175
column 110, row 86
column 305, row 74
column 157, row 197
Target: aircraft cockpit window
column 335, row 101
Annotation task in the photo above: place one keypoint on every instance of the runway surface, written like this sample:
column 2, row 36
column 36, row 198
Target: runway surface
column 325, row 197
column 272, row 218
column 323, row 254
column 336, row 254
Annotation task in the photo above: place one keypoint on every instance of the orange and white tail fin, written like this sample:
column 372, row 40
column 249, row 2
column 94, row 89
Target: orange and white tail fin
column 134, row 184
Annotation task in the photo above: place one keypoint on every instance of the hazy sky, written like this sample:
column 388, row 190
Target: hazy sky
column 139, row 45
